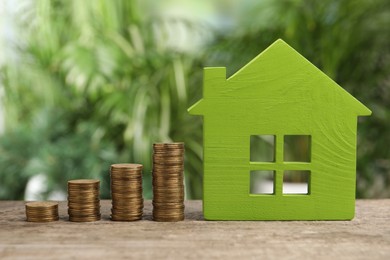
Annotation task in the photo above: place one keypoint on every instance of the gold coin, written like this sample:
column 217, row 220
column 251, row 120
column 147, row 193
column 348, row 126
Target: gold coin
column 137, row 215
column 178, row 188
column 127, row 180
column 41, row 204
column 173, row 189
column 75, row 192
column 41, row 214
column 168, row 211
column 126, row 193
column 164, row 157
column 168, row 149
column 168, row 214
column 86, row 203
column 127, row 166
column 123, row 205
column 126, row 201
column 161, row 151
column 83, row 188
column 130, row 192
column 168, row 219
column 125, row 218
column 172, row 183
column 84, row 219
column 167, row 204
column 84, row 182
column 168, row 182
column 161, row 198
column 168, row 167
column 97, row 209
column 131, row 210
column 167, row 175
column 126, row 186
column 129, row 206
column 127, row 211
column 126, row 189
column 169, row 145
column 37, row 210
column 168, row 178
column 163, row 164
column 134, row 213
column 168, row 190
column 164, row 168
column 84, row 191
column 178, row 158
column 170, row 200
column 125, row 174
column 84, row 199
column 83, row 206
column 29, row 219
column 83, row 215
column 83, row 195
column 130, row 170
column 137, row 211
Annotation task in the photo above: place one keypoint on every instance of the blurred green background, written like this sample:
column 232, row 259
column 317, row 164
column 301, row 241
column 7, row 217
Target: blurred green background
column 84, row 84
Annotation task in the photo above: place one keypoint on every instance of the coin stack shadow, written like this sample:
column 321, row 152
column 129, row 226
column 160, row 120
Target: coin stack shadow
column 126, row 192
column 168, row 187
column 84, row 200
column 42, row 211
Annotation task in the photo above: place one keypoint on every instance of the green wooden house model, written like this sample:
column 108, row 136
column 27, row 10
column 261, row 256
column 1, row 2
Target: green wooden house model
column 279, row 95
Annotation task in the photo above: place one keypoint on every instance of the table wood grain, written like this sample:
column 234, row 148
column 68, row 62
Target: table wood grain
column 367, row 236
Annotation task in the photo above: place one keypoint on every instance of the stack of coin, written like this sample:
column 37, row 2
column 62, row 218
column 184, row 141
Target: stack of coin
column 168, row 187
column 126, row 192
column 83, row 200
column 44, row 211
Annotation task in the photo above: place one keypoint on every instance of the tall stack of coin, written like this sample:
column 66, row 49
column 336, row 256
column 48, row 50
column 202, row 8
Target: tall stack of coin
column 84, row 200
column 168, row 187
column 126, row 192
column 42, row 211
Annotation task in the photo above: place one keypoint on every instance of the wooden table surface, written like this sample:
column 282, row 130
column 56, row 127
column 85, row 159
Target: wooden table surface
column 365, row 237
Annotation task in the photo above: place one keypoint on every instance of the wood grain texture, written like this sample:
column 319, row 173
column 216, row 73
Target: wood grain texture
column 365, row 237
column 278, row 93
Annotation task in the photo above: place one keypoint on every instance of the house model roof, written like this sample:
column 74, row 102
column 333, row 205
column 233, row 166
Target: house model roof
column 279, row 70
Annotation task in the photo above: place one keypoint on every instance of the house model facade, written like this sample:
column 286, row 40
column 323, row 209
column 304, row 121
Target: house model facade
column 278, row 95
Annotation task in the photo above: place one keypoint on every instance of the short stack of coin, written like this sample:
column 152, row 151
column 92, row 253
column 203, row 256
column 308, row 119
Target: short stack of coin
column 84, row 200
column 126, row 192
column 168, row 187
column 42, row 211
